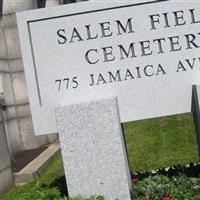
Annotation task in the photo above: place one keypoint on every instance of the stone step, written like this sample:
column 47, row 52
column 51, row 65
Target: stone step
column 34, row 169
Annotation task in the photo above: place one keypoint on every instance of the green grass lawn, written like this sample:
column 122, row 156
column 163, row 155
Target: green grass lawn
column 151, row 144
column 50, row 186
column 161, row 142
column 38, row 187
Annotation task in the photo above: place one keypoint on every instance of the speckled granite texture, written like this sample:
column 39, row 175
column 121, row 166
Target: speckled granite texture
column 93, row 150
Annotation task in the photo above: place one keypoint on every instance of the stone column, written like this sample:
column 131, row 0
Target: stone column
column 18, row 124
column 52, row 3
column 6, row 177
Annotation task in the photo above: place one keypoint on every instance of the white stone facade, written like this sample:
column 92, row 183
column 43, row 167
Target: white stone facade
column 17, row 117
column 16, row 128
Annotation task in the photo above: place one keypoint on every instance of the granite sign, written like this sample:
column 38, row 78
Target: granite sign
column 146, row 54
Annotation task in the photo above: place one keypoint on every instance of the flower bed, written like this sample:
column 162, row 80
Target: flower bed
column 174, row 183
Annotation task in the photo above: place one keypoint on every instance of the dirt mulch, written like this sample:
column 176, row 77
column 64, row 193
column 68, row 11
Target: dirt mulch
column 23, row 158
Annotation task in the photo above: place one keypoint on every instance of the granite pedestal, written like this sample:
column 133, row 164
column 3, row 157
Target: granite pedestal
column 196, row 111
column 93, row 150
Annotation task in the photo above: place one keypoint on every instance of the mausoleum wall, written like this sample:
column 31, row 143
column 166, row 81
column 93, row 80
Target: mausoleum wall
column 17, row 117
column 6, row 177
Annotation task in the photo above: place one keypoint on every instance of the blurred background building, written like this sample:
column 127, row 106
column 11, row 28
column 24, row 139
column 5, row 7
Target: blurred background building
column 16, row 126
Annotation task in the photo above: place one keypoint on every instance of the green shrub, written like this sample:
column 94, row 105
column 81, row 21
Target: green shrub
column 157, row 187
column 80, row 198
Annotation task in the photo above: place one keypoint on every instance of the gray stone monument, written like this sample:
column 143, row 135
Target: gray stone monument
column 93, row 150
column 90, row 51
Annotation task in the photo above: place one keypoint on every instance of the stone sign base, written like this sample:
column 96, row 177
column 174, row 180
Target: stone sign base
column 93, row 150
column 196, row 111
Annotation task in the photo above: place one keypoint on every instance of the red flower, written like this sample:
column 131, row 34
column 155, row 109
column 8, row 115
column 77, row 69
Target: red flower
column 169, row 197
column 135, row 180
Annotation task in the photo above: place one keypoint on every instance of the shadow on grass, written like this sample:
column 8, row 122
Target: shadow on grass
column 189, row 170
column 60, row 183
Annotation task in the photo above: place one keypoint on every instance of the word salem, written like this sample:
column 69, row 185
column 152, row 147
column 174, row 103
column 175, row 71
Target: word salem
column 127, row 74
column 116, row 27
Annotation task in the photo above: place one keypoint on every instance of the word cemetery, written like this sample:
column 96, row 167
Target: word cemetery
column 135, row 48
